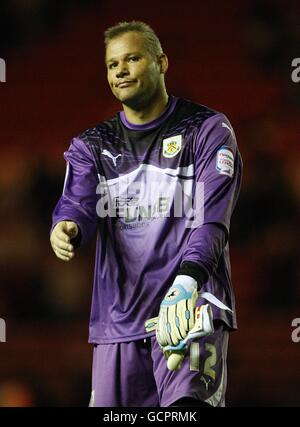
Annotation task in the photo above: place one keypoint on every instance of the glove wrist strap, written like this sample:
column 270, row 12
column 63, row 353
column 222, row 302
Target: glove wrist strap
column 187, row 282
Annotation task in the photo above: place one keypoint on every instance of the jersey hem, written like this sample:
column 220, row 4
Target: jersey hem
column 99, row 340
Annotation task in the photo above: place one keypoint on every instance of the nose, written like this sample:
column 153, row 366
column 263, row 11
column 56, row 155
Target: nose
column 122, row 71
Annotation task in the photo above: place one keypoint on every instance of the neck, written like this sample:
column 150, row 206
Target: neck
column 148, row 113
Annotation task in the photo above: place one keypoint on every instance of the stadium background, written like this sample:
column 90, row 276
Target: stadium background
column 232, row 56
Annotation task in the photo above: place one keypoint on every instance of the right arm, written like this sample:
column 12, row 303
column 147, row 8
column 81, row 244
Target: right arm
column 74, row 217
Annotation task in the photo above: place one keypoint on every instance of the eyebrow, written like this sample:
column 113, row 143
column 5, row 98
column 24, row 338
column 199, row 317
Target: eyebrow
column 125, row 56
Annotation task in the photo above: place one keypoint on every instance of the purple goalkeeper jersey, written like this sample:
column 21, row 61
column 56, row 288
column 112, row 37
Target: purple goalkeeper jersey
column 157, row 195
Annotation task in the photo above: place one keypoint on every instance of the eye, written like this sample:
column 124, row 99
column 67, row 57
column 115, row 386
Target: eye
column 133, row 58
column 112, row 65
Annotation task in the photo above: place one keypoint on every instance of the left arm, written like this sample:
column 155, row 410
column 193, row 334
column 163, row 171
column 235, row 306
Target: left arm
column 218, row 173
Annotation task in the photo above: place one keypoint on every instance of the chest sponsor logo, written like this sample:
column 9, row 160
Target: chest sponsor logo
column 172, row 146
column 225, row 162
column 136, row 204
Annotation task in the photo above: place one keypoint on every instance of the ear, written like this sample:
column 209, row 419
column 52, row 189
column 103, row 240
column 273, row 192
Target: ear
column 163, row 63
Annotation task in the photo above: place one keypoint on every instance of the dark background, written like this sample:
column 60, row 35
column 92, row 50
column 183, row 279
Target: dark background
column 234, row 57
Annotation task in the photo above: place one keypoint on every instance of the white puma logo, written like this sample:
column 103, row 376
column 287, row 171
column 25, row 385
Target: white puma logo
column 205, row 382
column 108, row 154
column 225, row 125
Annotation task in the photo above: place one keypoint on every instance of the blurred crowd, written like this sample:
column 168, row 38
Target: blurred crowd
column 24, row 21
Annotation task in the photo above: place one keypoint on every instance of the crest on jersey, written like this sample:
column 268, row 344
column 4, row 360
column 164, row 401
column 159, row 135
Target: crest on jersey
column 172, row 146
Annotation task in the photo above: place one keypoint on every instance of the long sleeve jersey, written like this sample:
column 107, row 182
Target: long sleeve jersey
column 160, row 197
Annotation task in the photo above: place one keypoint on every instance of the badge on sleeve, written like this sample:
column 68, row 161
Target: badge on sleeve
column 225, row 161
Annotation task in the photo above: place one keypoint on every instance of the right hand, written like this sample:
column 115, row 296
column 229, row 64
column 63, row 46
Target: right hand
column 60, row 239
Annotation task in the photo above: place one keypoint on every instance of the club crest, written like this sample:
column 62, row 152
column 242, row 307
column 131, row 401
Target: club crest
column 172, row 146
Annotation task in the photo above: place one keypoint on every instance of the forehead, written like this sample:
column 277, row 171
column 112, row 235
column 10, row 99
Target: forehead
column 126, row 43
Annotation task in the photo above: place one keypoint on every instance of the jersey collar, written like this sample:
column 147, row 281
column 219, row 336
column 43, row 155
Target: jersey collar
column 154, row 123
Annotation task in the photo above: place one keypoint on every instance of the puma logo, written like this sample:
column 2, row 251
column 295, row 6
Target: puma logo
column 205, row 382
column 225, row 125
column 172, row 294
column 114, row 158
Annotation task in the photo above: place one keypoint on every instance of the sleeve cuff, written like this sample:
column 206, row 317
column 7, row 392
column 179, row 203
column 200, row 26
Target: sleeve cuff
column 194, row 270
column 76, row 241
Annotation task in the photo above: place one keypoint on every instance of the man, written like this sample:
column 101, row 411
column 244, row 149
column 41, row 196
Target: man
column 158, row 182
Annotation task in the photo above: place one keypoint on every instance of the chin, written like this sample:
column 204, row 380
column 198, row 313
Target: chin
column 138, row 101
column 122, row 96
column 132, row 101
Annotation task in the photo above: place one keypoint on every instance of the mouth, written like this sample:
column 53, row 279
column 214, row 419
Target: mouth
column 125, row 83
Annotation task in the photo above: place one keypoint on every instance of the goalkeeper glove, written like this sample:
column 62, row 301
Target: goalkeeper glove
column 176, row 315
column 203, row 326
column 201, row 318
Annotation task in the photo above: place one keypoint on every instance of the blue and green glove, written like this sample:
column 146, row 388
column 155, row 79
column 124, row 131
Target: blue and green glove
column 179, row 320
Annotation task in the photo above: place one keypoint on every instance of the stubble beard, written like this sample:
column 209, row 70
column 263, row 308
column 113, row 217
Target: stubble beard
column 138, row 100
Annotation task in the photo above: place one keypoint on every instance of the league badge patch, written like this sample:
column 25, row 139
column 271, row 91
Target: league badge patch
column 172, row 146
column 225, row 161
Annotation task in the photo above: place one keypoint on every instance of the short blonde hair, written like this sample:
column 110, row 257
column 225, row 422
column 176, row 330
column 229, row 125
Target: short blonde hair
column 152, row 43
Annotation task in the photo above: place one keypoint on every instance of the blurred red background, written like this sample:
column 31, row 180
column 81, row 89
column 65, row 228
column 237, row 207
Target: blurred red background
column 234, row 58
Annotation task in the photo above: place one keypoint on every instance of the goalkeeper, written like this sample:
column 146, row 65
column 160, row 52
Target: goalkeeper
column 157, row 183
